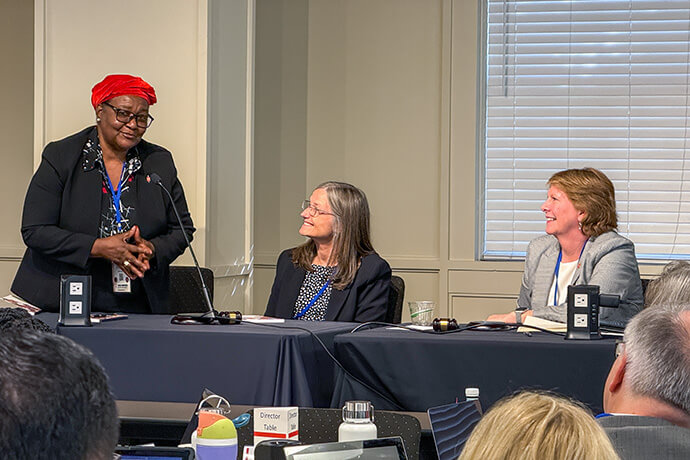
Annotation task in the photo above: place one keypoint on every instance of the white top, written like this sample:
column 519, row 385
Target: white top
column 565, row 277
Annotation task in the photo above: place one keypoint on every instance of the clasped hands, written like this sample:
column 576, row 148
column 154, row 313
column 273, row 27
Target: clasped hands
column 128, row 250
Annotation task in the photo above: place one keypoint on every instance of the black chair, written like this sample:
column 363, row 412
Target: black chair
column 186, row 293
column 321, row 425
column 645, row 284
column 395, row 300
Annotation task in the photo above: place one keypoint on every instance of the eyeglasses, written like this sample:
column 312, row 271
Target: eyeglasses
column 313, row 210
column 620, row 348
column 125, row 116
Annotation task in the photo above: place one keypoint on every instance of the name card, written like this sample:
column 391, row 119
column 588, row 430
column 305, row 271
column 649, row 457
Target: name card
column 275, row 423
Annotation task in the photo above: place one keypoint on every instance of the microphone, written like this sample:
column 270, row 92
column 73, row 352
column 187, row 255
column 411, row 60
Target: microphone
column 210, row 315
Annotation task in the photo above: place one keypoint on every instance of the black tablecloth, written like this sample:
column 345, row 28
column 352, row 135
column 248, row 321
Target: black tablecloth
column 149, row 359
column 416, row 371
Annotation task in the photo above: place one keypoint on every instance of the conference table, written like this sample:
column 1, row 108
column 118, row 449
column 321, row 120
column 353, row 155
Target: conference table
column 149, row 359
column 412, row 371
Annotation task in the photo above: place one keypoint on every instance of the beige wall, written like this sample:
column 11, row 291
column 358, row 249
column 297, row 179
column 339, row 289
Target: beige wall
column 228, row 180
column 374, row 117
column 378, row 114
column 16, row 129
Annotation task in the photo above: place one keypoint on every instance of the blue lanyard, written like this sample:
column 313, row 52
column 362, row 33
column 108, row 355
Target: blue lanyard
column 312, row 301
column 116, row 196
column 555, row 272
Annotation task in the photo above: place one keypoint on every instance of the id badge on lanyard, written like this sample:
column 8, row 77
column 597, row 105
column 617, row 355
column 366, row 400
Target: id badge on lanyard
column 121, row 282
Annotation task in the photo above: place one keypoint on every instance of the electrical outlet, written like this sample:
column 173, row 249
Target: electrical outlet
column 76, row 288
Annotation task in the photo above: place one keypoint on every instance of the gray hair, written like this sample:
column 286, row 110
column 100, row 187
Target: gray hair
column 672, row 287
column 657, row 347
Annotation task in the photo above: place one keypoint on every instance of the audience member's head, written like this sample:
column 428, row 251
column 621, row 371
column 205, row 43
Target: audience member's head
column 55, row 402
column 651, row 375
column 541, row 426
column 671, row 288
column 18, row 318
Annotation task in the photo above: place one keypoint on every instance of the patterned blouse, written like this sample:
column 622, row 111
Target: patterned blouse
column 93, row 158
column 313, row 282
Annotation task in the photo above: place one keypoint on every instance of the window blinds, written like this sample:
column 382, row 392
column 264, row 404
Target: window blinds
column 588, row 83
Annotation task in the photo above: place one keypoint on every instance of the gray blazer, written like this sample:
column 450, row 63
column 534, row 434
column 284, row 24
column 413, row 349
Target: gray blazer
column 608, row 261
column 643, row 438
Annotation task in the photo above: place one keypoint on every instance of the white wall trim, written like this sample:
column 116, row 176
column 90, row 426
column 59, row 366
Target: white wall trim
column 202, row 129
column 39, row 78
column 249, row 149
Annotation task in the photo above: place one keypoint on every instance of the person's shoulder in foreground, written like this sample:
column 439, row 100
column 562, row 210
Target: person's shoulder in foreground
column 640, row 437
column 646, row 395
column 55, row 401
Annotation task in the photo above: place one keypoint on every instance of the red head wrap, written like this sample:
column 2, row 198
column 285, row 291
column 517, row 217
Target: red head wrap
column 121, row 85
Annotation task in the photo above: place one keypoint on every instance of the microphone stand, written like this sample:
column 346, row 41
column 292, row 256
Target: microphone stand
column 210, row 315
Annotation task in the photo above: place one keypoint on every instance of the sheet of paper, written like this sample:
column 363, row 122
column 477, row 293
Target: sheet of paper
column 261, row 319
column 410, row 326
column 15, row 301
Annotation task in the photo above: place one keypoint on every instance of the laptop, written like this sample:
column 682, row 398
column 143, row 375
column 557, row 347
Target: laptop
column 451, row 426
column 371, row 449
column 155, row 453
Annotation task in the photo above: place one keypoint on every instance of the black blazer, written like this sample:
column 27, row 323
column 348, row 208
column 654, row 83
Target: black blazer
column 364, row 299
column 61, row 218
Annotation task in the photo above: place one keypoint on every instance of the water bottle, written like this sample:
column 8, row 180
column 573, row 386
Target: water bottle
column 358, row 422
column 216, row 436
column 471, row 394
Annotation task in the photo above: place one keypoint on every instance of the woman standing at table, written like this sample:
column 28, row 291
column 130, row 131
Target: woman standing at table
column 90, row 210
column 335, row 275
column 581, row 247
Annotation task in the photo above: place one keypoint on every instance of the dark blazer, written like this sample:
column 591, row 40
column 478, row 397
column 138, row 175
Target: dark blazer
column 637, row 437
column 364, row 299
column 61, row 219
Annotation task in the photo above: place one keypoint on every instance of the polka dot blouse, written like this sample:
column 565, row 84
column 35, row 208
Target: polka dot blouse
column 313, row 282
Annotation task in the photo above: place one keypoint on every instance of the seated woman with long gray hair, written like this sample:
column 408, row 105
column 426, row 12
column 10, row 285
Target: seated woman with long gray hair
column 335, row 275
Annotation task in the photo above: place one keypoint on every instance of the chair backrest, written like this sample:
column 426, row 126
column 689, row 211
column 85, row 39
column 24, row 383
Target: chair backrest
column 645, row 284
column 321, row 425
column 395, row 300
column 186, row 293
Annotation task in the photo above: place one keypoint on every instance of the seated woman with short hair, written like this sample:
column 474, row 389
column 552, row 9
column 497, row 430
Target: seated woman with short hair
column 335, row 275
column 581, row 247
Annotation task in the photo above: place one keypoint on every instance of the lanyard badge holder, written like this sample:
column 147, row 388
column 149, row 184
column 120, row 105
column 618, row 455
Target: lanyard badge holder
column 121, row 282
